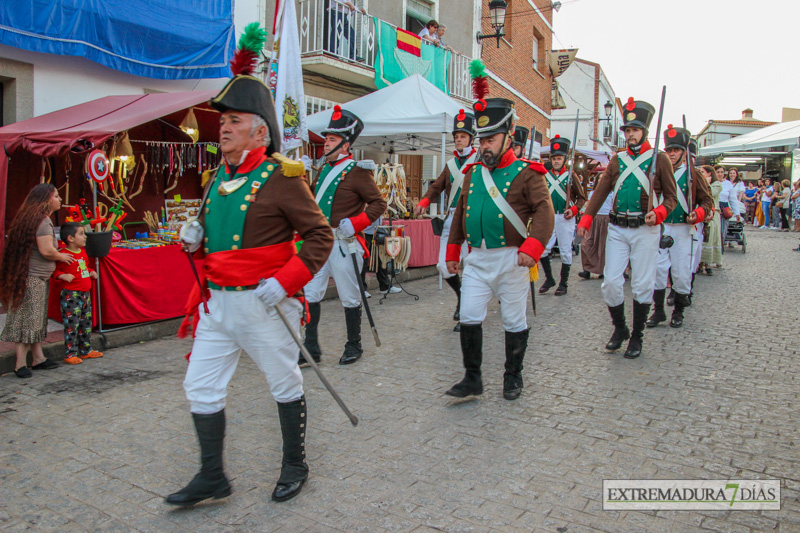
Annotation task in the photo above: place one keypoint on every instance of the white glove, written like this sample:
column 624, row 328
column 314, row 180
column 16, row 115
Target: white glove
column 346, row 229
column 306, row 162
column 270, row 291
column 192, row 235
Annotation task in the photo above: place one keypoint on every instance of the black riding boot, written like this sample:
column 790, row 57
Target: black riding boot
column 210, row 482
column 549, row 281
column 294, row 470
column 681, row 303
column 472, row 353
column 352, row 350
column 516, row 343
column 658, row 315
column 639, row 318
column 621, row 332
column 311, row 341
column 455, row 284
column 562, row 285
column 671, row 297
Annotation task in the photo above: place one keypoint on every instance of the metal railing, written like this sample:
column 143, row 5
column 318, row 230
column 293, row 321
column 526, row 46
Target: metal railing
column 330, row 28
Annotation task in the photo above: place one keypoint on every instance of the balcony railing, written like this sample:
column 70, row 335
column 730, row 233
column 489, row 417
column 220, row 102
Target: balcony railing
column 331, row 29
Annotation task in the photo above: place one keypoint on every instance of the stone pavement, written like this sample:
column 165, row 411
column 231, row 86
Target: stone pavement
column 97, row 447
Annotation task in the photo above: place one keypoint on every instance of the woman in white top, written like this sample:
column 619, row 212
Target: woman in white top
column 736, row 194
column 724, row 200
column 429, row 32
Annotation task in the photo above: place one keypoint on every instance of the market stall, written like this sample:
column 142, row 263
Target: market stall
column 152, row 151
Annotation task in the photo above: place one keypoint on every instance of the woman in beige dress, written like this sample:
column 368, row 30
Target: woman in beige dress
column 712, row 246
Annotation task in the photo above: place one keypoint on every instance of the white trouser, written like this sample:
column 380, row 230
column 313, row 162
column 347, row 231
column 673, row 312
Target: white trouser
column 640, row 247
column 564, row 233
column 442, row 264
column 239, row 320
column 698, row 246
column 677, row 257
column 340, row 266
column 495, row 272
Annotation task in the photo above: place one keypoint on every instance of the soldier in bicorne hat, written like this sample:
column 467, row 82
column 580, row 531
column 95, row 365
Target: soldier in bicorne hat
column 506, row 216
column 633, row 231
column 680, row 225
column 252, row 207
column 351, row 201
column 568, row 198
column 450, row 181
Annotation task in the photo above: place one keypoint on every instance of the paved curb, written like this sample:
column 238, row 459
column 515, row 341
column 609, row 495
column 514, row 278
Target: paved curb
column 166, row 328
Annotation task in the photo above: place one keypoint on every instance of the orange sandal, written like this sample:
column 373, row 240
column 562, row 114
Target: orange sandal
column 94, row 354
column 74, row 360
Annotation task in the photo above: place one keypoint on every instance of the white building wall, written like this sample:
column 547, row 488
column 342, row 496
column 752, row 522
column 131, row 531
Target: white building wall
column 64, row 81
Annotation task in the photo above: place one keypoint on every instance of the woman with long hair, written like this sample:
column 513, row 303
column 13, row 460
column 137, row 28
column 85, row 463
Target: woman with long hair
column 712, row 246
column 784, row 204
column 724, row 202
column 777, row 201
column 736, row 195
column 29, row 258
column 795, row 204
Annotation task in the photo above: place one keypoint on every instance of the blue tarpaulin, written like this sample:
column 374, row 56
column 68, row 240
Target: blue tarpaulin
column 167, row 39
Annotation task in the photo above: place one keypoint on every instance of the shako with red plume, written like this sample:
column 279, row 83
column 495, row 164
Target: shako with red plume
column 464, row 122
column 559, row 146
column 638, row 114
column 676, row 137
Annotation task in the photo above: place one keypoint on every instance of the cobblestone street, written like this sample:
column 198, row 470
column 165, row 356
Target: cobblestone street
column 98, row 446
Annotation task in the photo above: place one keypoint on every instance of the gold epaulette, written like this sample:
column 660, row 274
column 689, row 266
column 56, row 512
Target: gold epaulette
column 290, row 167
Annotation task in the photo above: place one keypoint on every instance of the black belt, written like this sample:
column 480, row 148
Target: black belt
column 626, row 221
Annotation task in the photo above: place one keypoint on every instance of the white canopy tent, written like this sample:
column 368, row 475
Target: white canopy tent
column 783, row 134
column 411, row 116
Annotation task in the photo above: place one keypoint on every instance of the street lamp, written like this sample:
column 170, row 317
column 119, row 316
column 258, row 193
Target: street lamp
column 497, row 13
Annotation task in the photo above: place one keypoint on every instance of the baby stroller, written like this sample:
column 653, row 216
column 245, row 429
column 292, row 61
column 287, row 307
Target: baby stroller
column 736, row 234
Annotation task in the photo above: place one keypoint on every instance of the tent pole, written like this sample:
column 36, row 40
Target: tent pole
column 97, row 267
column 442, row 198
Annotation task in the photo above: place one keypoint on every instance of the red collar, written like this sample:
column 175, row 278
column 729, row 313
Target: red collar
column 459, row 156
column 334, row 163
column 507, row 159
column 645, row 147
column 563, row 169
column 253, row 159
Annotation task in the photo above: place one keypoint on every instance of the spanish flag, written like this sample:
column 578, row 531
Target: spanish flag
column 409, row 42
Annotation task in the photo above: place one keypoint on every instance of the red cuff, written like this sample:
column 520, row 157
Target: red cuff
column 661, row 214
column 293, row 276
column 360, row 222
column 424, row 203
column 533, row 248
column 574, row 210
column 586, row 221
column 701, row 214
column 453, row 253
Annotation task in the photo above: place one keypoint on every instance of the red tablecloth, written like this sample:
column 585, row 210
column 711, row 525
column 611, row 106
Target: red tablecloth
column 424, row 244
column 138, row 285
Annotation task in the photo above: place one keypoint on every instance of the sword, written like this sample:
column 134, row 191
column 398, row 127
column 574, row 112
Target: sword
column 310, row 360
column 352, row 247
column 197, row 279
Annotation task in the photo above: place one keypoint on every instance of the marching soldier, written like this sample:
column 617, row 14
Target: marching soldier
column 680, row 225
column 506, row 216
column 253, row 206
column 633, row 232
column 450, row 181
column 566, row 192
column 520, row 138
column 350, row 201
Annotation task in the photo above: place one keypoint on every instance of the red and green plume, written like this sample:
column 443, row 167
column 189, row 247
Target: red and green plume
column 251, row 43
column 480, row 85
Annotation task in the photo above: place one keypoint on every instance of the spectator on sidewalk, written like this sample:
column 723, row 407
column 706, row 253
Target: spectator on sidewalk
column 795, row 197
column 593, row 247
column 783, row 204
column 724, row 202
column 736, row 198
column 777, row 201
column 766, row 201
column 750, row 200
column 29, row 260
column 712, row 246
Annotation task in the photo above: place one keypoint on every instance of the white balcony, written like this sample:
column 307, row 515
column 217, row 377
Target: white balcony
column 342, row 45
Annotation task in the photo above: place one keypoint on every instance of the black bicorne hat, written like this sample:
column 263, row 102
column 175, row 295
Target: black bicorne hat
column 494, row 115
column 676, row 137
column 559, row 146
column 638, row 114
column 464, row 122
column 521, row 136
column 248, row 94
column 345, row 124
